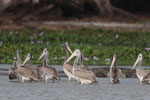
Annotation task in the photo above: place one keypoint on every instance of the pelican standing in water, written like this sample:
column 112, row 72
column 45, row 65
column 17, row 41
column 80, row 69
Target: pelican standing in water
column 35, row 69
column 12, row 73
column 143, row 75
column 25, row 72
column 48, row 72
column 68, row 66
column 114, row 72
column 82, row 75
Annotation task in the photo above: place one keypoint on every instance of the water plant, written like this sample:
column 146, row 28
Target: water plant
column 98, row 46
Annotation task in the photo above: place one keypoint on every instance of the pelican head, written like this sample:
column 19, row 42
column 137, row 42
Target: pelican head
column 44, row 54
column 67, row 47
column 29, row 56
column 76, row 53
column 114, row 61
column 138, row 61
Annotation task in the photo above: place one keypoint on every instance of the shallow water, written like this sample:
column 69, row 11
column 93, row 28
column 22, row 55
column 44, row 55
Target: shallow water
column 128, row 89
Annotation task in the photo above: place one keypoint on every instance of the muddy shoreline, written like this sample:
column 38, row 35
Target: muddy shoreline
column 69, row 25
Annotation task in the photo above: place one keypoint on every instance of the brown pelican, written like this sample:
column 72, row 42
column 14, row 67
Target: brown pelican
column 80, row 74
column 143, row 75
column 25, row 72
column 115, row 74
column 48, row 72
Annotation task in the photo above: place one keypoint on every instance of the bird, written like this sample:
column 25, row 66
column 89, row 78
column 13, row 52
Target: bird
column 12, row 73
column 143, row 75
column 25, row 72
column 67, row 67
column 82, row 75
column 114, row 72
column 47, row 71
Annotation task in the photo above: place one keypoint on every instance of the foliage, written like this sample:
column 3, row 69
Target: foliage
column 98, row 46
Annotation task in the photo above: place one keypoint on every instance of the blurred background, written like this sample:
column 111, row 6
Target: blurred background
column 21, row 11
column 98, row 27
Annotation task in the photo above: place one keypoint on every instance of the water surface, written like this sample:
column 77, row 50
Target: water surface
column 128, row 89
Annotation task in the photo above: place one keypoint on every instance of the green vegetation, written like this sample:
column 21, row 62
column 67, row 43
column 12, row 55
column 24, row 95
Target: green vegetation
column 98, row 46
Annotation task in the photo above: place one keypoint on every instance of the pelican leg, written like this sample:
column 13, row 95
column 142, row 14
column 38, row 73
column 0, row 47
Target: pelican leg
column 30, row 81
column 22, row 80
column 18, row 80
column 53, row 80
column 69, row 78
column 46, row 79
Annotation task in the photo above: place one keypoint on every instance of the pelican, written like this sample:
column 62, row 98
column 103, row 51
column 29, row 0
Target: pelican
column 47, row 71
column 115, row 74
column 143, row 75
column 68, row 66
column 82, row 75
column 12, row 73
column 27, row 63
column 25, row 72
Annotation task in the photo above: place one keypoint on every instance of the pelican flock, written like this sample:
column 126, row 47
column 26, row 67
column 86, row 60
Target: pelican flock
column 77, row 70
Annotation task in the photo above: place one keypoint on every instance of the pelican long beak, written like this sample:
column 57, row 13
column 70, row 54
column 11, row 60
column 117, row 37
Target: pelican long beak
column 68, row 48
column 45, row 53
column 114, row 60
column 75, row 53
column 135, row 64
column 27, row 58
column 42, row 55
column 138, row 61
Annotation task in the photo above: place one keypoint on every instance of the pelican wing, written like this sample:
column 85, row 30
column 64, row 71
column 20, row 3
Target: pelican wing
column 115, row 73
column 119, row 73
column 48, row 70
column 28, row 72
column 68, row 67
column 142, row 73
column 147, row 77
column 85, row 74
